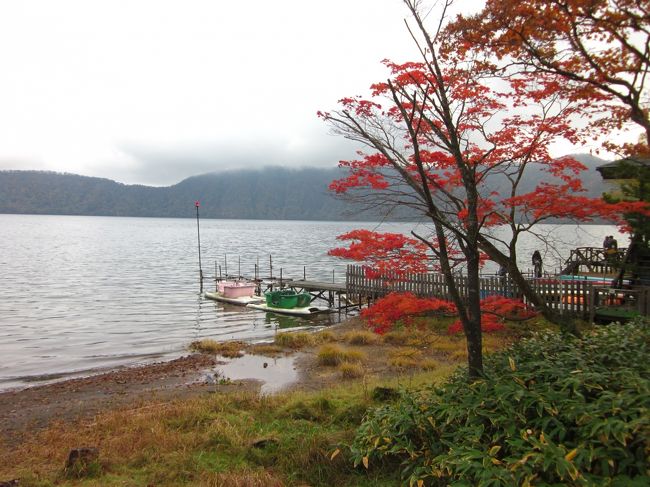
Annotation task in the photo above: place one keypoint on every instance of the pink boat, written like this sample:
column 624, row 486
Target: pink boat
column 236, row 289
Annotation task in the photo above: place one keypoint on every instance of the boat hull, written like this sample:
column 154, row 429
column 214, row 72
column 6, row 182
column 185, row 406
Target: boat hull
column 303, row 311
column 240, row 301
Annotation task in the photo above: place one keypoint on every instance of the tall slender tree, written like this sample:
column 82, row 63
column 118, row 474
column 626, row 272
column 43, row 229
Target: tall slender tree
column 443, row 133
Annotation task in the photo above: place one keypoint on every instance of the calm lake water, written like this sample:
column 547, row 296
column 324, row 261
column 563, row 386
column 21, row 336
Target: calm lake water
column 82, row 294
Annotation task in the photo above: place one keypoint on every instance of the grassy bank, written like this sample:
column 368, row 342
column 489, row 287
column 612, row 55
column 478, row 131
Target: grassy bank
column 234, row 439
column 242, row 439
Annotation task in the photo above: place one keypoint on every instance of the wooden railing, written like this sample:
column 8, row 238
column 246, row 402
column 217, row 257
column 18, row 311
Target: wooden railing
column 571, row 297
column 594, row 260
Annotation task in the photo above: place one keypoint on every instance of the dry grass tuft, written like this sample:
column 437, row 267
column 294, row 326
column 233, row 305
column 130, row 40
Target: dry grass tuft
column 226, row 349
column 396, row 337
column 361, row 337
column 458, row 356
column 351, row 371
column 403, row 363
column 295, row 340
column 428, row 364
column 332, row 355
column 266, row 349
column 412, row 353
column 325, row 336
column 410, row 358
column 448, row 345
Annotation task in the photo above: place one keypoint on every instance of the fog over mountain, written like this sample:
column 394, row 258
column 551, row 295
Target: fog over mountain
column 273, row 193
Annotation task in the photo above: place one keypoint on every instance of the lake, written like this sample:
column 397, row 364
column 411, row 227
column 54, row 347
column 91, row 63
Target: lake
column 83, row 294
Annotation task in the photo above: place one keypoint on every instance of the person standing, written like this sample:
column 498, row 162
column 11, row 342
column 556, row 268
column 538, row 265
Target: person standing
column 537, row 264
column 607, row 243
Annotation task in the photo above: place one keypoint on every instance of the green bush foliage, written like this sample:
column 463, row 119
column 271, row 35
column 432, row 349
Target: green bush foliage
column 551, row 410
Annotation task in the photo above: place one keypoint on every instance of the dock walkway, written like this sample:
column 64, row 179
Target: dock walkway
column 331, row 292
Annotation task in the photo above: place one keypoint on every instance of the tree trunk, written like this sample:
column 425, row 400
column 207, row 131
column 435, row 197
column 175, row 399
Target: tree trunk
column 472, row 320
column 523, row 285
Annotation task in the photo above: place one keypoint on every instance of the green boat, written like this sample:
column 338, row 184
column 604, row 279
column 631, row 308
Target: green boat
column 287, row 299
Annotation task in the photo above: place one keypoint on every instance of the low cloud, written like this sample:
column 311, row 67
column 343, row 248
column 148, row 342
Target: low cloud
column 163, row 166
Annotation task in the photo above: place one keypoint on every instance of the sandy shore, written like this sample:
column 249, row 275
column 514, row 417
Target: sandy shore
column 26, row 410
column 22, row 412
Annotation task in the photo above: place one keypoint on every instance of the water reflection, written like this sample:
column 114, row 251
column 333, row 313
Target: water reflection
column 274, row 373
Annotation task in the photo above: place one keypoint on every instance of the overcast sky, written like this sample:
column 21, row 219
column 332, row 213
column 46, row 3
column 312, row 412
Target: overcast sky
column 153, row 91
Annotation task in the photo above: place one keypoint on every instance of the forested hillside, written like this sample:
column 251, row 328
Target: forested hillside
column 268, row 193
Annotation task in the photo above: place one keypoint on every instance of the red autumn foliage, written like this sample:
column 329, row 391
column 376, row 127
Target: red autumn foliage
column 383, row 252
column 598, row 48
column 506, row 308
column 394, row 307
column 452, row 137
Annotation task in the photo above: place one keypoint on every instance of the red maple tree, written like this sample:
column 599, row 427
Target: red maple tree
column 443, row 134
column 600, row 49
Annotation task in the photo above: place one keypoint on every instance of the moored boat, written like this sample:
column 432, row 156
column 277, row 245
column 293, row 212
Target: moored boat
column 241, row 301
column 289, row 302
column 287, row 299
column 236, row 289
column 303, row 311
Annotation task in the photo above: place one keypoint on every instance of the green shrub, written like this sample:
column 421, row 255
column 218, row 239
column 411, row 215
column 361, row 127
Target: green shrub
column 551, row 410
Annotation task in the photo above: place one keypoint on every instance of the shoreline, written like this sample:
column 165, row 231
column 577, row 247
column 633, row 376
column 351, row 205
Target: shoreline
column 23, row 411
column 26, row 410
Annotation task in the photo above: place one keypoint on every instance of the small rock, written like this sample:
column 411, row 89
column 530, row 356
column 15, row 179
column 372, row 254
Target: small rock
column 264, row 443
column 79, row 458
column 385, row 394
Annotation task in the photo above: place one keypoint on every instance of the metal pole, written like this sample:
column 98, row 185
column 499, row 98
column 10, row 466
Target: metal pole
column 198, row 235
column 225, row 264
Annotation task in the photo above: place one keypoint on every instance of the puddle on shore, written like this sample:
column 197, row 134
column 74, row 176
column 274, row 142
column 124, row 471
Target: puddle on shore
column 278, row 373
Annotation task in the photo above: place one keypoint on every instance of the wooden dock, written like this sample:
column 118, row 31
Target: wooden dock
column 572, row 297
column 335, row 294
column 578, row 297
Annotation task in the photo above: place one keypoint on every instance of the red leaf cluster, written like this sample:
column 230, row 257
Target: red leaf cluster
column 394, row 307
column 383, row 252
column 506, row 308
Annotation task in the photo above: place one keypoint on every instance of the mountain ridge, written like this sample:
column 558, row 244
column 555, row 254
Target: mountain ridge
column 269, row 193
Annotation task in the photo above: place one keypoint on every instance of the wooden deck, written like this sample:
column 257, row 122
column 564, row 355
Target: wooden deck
column 579, row 298
column 333, row 293
column 318, row 286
